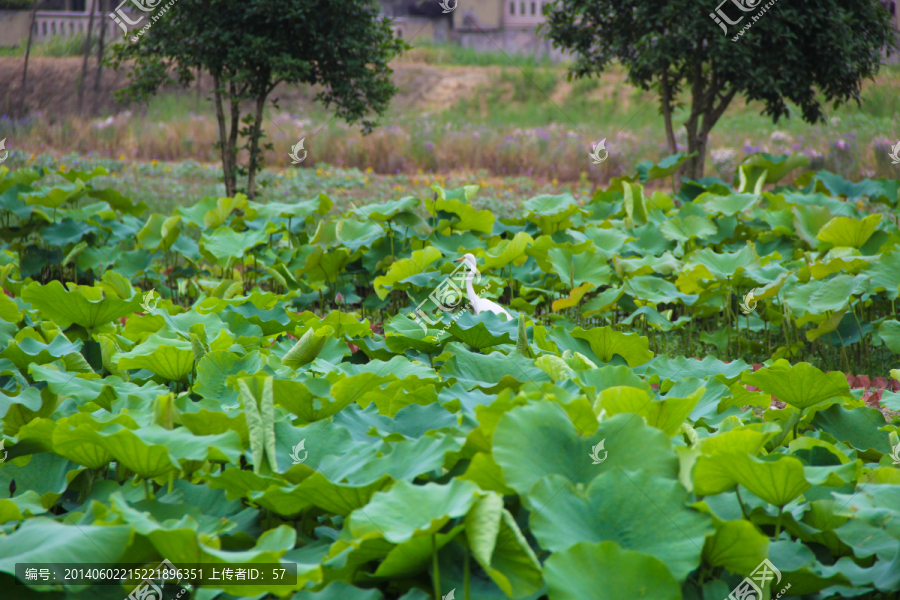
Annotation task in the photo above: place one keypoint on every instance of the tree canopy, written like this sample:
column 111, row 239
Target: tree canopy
column 250, row 47
column 799, row 52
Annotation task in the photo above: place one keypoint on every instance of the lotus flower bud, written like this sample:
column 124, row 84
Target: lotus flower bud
column 339, row 298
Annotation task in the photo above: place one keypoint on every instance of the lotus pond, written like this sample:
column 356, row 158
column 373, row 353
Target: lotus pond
column 238, row 383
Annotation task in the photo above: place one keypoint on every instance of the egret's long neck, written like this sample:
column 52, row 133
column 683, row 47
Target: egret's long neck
column 469, row 288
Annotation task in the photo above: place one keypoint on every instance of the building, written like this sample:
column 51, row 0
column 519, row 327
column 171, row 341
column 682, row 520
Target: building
column 507, row 25
column 62, row 18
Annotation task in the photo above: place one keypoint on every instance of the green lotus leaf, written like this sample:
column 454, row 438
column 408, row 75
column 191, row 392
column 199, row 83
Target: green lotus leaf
column 725, row 265
column 634, row 267
column 326, row 265
column 801, row 385
column 809, row 220
column 712, row 471
column 606, row 511
column 579, row 268
column 846, row 232
column 532, row 430
column 648, row 171
column 213, row 370
column 20, row 507
column 307, row 347
column 319, row 491
column 501, row 549
column 682, row 230
column 117, row 201
column 44, row 540
column 401, row 460
column 169, row 358
column 259, row 410
column 160, row 232
column 604, row 571
column 507, row 251
column 551, row 212
column 859, row 427
column 386, row 210
column 491, row 372
column 28, row 350
column 404, row 268
column 777, row 481
column 402, row 333
column 729, row 205
column 302, row 211
column 607, row 242
column 737, row 545
column 224, row 244
column 468, row 218
column 776, row 167
column 885, row 274
column 392, row 397
column 605, row 342
column 407, row 510
column 483, row 330
column 339, row 590
column 82, row 306
column 667, row 414
column 889, row 332
column 55, row 196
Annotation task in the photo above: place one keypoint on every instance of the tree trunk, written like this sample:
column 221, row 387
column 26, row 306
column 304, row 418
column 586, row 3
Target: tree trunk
column 667, row 103
column 235, row 100
column 254, row 146
column 87, row 54
column 99, row 75
column 28, row 53
column 709, row 102
column 225, row 146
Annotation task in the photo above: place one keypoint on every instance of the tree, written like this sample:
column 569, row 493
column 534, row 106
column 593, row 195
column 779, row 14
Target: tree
column 799, row 51
column 251, row 46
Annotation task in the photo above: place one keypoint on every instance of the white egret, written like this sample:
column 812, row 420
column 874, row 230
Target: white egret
column 480, row 305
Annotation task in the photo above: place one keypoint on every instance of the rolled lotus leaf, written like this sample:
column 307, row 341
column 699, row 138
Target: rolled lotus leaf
column 307, row 348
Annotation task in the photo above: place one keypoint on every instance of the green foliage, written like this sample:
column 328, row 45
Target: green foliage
column 250, row 47
column 694, row 55
column 189, row 387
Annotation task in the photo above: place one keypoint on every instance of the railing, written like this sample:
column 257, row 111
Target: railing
column 66, row 24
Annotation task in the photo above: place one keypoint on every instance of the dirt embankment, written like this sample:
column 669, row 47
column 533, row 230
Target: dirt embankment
column 53, row 86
